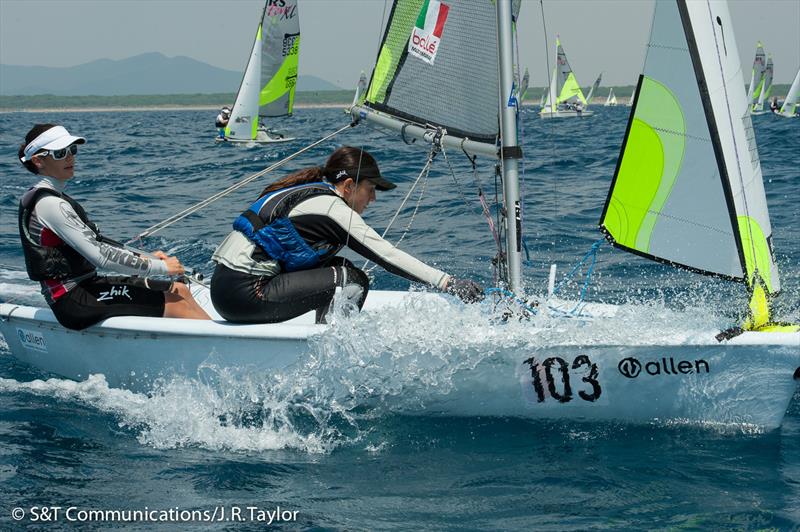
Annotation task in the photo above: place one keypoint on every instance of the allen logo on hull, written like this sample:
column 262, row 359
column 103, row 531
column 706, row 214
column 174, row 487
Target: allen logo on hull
column 631, row 367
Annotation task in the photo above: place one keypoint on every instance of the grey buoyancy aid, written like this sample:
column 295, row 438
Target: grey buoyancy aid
column 266, row 223
column 56, row 262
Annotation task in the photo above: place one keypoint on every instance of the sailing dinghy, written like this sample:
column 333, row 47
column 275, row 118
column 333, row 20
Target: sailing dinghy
column 789, row 106
column 687, row 191
column 565, row 98
column 268, row 85
column 611, row 100
column 757, row 75
column 766, row 88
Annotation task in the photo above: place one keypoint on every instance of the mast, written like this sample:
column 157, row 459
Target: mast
column 510, row 151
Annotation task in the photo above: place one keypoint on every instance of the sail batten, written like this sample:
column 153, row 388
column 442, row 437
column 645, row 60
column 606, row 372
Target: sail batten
column 688, row 189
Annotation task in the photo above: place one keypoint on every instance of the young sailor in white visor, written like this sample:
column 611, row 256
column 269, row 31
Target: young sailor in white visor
column 63, row 249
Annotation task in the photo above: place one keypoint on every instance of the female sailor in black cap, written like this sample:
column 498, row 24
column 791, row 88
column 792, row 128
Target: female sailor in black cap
column 63, row 249
column 279, row 261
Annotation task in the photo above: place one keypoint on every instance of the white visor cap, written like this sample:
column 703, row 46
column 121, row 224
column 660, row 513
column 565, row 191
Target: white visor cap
column 54, row 138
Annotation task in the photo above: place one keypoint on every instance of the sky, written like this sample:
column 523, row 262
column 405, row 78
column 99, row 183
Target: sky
column 341, row 37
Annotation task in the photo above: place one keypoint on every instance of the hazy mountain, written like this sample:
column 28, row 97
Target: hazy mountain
column 151, row 73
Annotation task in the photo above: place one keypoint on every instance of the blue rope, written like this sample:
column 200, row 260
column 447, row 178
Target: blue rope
column 591, row 253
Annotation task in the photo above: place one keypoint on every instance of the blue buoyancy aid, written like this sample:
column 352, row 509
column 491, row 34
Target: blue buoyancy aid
column 266, row 223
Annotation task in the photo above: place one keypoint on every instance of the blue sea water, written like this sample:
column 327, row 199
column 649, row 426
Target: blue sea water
column 91, row 447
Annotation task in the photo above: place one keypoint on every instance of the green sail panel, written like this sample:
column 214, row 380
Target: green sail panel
column 279, row 57
column 669, row 200
column 426, row 63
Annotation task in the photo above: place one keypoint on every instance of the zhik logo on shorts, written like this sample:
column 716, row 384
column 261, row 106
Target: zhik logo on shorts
column 115, row 291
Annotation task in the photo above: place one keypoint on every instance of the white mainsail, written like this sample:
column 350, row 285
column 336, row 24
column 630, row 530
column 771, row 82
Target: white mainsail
column 523, row 87
column 611, row 99
column 593, row 89
column 757, row 74
column 789, row 107
column 268, row 85
column 766, row 88
column 688, row 188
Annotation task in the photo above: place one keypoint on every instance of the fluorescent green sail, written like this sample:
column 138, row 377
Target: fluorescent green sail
column 284, row 80
column 688, row 188
column 650, row 165
column 571, row 90
column 395, row 42
column 672, row 197
column 279, row 58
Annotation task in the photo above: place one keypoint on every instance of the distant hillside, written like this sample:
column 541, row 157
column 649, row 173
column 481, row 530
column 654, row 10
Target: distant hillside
column 151, row 73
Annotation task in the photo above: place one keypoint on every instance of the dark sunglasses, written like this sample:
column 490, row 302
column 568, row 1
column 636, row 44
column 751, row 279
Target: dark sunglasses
column 59, row 154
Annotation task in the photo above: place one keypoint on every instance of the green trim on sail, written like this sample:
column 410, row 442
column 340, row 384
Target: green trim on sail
column 254, row 129
column 279, row 84
column 404, row 16
column 650, row 166
column 570, row 89
column 758, row 87
column 756, row 252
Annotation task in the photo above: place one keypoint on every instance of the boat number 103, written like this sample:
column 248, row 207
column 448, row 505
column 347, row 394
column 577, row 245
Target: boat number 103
column 553, row 369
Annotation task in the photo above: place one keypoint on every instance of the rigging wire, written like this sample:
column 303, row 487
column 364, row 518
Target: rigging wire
column 422, row 174
column 552, row 103
column 211, row 199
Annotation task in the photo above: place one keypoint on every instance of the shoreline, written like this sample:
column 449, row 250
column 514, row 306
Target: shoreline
column 99, row 109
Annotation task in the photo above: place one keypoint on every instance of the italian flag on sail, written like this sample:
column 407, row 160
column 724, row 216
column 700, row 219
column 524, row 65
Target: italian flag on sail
column 427, row 32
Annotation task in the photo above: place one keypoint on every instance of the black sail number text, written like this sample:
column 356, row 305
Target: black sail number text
column 554, row 374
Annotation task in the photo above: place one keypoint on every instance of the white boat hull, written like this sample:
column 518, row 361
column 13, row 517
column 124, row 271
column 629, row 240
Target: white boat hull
column 547, row 113
column 262, row 137
column 749, row 379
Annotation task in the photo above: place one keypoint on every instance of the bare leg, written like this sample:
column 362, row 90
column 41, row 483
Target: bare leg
column 179, row 303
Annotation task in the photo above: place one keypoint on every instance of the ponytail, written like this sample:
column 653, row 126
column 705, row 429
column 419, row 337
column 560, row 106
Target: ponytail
column 301, row 177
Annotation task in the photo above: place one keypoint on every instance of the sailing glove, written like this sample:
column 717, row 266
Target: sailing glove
column 466, row 290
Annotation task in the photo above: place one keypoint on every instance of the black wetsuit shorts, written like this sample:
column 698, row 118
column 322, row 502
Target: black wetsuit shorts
column 244, row 298
column 98, row 298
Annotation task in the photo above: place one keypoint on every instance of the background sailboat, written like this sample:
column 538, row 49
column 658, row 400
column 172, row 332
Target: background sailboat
column 611, row 100
column 565, row 97
column 766, row 89
column 593, row 89
column 268, row 84
column 757, row 74
column 789, row 106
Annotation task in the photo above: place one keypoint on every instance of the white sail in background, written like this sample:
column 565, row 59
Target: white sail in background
column 766, row 88
column 789, row 107
column 593, row 89
column 523, row 87
column 688, row 188
column 269, row 81
column 611, row 99
column 243, row 123
column 361, row 88
column 757, row 74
